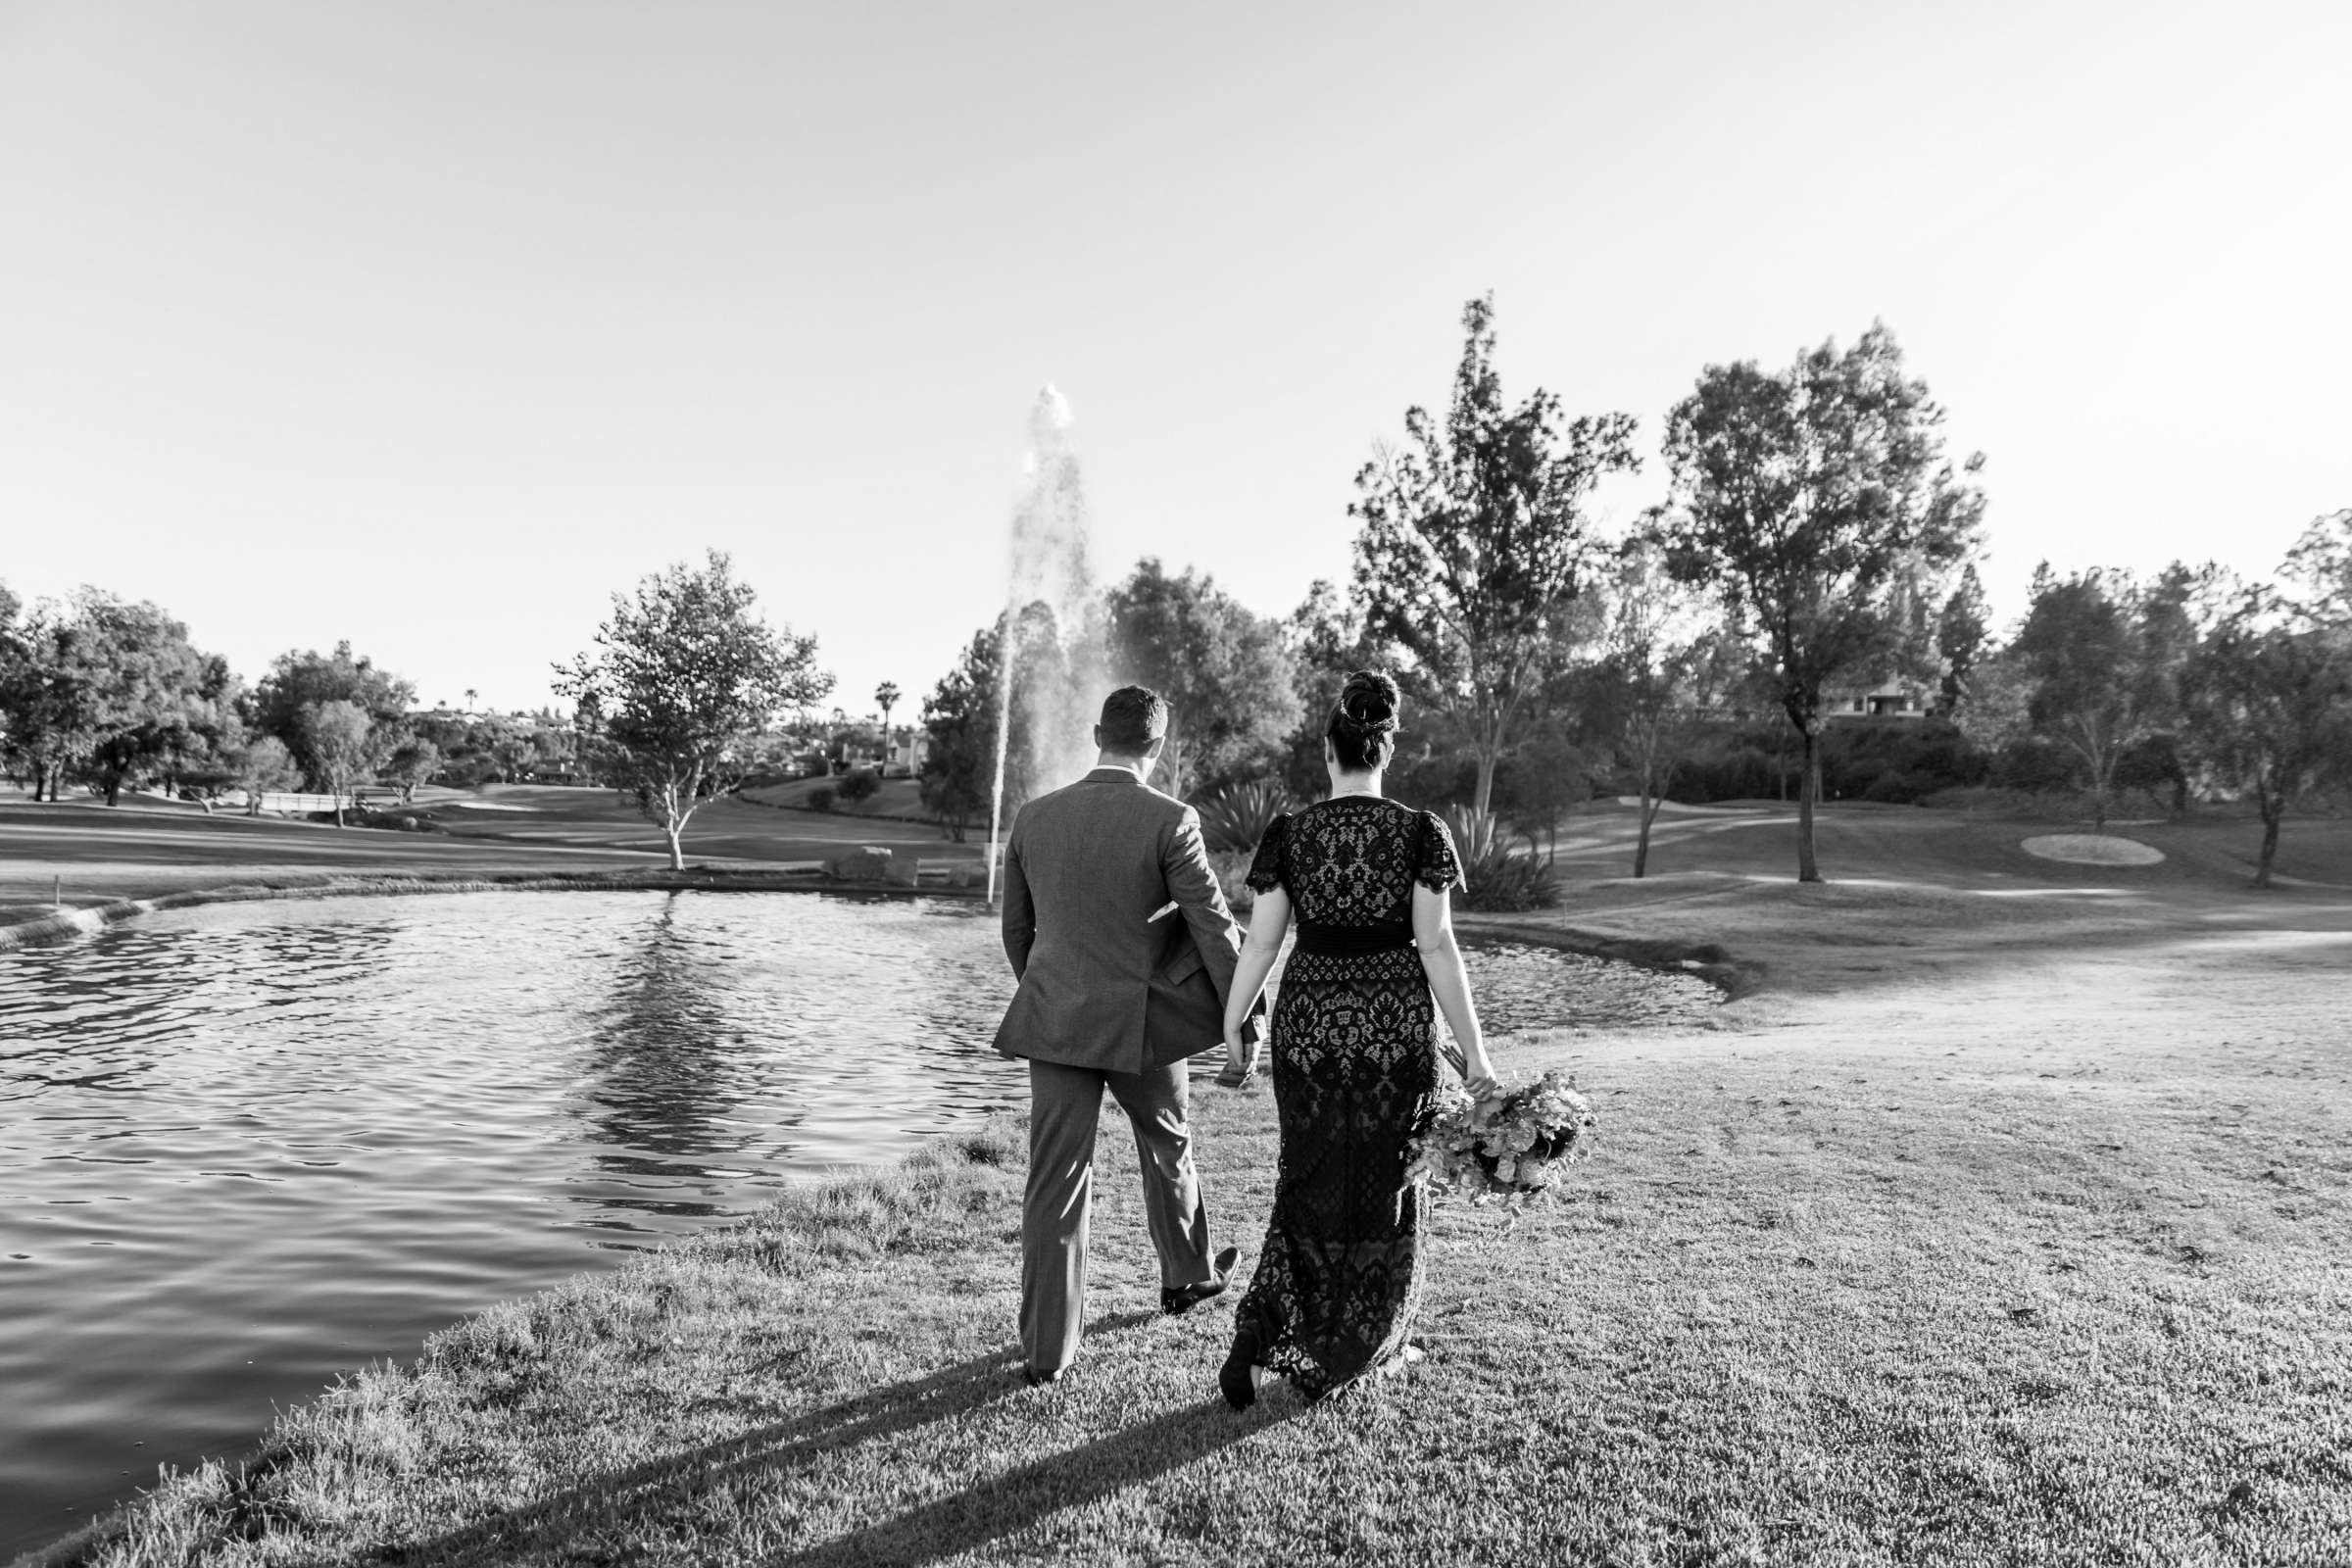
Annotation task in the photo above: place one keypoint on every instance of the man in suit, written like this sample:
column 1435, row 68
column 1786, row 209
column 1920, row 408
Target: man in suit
column 1116, row 991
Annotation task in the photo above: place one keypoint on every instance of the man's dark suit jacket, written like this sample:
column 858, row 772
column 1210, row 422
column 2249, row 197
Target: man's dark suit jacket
column 1101, row 984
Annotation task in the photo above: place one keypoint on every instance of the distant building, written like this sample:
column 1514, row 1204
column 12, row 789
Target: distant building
column 909, row 749
column 1896, row 699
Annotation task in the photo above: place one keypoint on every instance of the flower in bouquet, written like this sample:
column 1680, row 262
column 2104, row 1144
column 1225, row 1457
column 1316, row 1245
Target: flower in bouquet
column 1508, row 1146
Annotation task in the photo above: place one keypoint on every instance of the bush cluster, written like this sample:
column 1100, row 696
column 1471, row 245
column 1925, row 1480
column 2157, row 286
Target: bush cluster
column 1895, row 762
column 1497, row 878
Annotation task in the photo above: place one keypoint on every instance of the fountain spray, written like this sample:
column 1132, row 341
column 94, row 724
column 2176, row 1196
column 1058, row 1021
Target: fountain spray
column 1050, row 636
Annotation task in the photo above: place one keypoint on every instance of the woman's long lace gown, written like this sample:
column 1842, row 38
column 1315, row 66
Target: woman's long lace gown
column 1355, row 1062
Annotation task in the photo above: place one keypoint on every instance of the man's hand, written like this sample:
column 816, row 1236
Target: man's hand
column 1240, row 1060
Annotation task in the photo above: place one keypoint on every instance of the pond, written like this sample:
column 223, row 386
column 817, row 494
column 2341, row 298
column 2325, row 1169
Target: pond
column 246, row 1147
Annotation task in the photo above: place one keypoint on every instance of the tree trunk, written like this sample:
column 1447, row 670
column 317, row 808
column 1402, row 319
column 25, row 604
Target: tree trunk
column 2273, row 809
column 1807, row 793
column 1487, row 757
column 1650, row 814
column 113, row 788
column 677, row 850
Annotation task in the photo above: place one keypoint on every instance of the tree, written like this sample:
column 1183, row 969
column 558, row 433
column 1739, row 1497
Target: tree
column 886, row 698
column 685, row 671
column 1961, row 632
column 1224, row 670
column 1995, row 710
column 555, row 749
column 512, row 747
column 263, row 766
column 338, row 737
column 1667, row 669
column 304, row 679
column 49, row 695
column 1325, row 637
column 2095, row 652
column 2266, row 694
column 960, row 716
column 1818, row 504
column 412, row 761
column 203, row 761
column 145, row 684
column 2317, row 572
column 1476, row 544
column 1549, row 773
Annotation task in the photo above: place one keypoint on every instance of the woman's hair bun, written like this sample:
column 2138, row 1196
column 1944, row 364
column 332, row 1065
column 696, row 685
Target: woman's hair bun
column 1369, row 701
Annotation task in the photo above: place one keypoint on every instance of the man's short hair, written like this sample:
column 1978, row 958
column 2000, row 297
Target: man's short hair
column 1133, row 717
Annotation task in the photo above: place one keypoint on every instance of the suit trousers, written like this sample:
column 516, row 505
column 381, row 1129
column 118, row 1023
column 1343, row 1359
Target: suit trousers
column 1065, row 1104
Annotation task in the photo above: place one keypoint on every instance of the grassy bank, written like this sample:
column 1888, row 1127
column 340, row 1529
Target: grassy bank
column 85, row 855
column 2042, row 1264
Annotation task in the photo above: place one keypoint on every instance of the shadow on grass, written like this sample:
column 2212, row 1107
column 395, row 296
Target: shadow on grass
column 1008, row 1504
column 996, row 1508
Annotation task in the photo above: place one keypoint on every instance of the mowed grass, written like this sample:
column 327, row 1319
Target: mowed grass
column 1833, row 1307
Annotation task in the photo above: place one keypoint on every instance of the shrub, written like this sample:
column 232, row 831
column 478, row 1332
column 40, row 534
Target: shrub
column 1858, row 758
column 1738, row 772
column 1891, row 787
column 820, row 799
column 2036, row 765
column 1237, row 817
column 1499, row 879
column 860, row 785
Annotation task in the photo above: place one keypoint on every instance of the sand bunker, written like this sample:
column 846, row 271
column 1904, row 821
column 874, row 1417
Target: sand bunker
column 2093, row 849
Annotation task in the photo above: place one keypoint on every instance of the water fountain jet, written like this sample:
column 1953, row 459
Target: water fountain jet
column 1050, row 639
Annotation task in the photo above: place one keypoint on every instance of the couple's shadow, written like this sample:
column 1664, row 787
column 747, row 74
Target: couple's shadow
column 996, row 1507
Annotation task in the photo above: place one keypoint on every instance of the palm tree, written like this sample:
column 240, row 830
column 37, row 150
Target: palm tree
column 470, row 695
column 886, row 696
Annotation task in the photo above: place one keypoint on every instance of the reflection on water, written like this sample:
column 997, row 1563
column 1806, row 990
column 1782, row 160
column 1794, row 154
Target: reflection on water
column 247, row 1147
column 663, row 1074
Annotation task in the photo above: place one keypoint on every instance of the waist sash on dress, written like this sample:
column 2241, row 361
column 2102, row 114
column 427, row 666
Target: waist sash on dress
column 1349, row 941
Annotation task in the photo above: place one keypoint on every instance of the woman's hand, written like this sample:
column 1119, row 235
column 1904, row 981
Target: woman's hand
column 1478, row 1073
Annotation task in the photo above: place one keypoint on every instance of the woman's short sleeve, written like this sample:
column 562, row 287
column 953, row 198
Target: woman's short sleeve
column 1440, row 869
column 1265, row 869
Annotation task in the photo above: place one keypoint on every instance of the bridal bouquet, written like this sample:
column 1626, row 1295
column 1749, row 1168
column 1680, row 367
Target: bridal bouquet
column 1508, row 1146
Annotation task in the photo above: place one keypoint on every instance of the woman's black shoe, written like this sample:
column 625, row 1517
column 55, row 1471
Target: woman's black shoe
column 1238, row 1377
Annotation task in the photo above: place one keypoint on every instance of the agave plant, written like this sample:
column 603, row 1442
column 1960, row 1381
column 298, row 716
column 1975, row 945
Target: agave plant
column 1498, row 877
column 1237, row 817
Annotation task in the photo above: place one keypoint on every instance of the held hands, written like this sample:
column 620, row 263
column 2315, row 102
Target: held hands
column 1241, row 1059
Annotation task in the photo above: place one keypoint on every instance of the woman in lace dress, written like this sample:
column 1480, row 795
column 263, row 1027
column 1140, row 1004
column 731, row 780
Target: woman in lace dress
column 1354, row 1060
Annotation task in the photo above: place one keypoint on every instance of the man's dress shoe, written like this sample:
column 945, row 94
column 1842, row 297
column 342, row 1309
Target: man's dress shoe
column 1177, row 1299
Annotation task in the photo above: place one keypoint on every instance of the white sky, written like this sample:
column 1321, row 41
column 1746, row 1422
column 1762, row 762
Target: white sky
column 429, row 326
